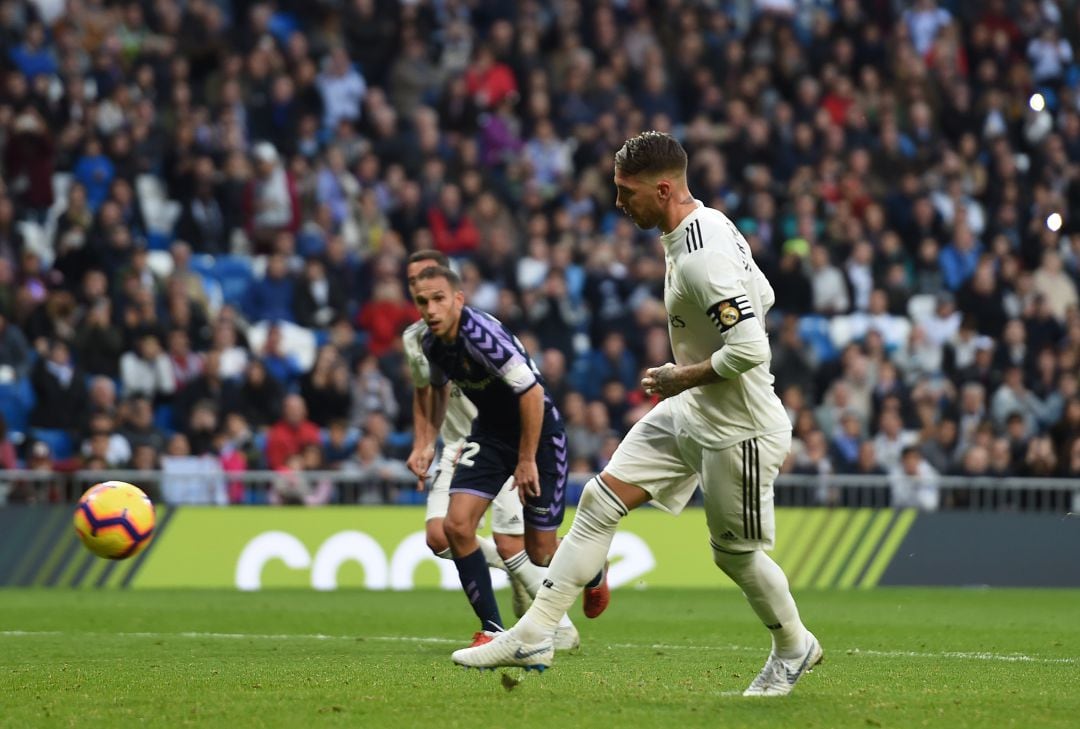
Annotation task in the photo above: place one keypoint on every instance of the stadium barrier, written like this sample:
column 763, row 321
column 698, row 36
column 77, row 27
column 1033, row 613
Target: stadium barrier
column 957, row 493
column 383, row 547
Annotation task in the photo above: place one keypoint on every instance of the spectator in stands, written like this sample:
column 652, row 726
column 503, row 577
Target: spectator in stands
column 258, row 397
column 1055, row 286
column 98, row 343
column 371, row 392
column 342, row 88
column 28, row 163
column 139, row 428
column 272, row 297
column 317, row 300
column 14, row 351
column 914, row 483
column 386, row 316
column 60, row 389
column 379, row 475
column 844, row 450
column 94, row 171
column 891, row 439
column 103, row 441
column 450, row 224
column 270, row 199
column 201, row 428
column 186, row 364
column 830, row 289
column 612, row 361
column 325, row 388
column 289, row 435
column 203, row 219
column 147, row 370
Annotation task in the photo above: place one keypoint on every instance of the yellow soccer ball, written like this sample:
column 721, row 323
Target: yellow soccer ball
column 115, row 520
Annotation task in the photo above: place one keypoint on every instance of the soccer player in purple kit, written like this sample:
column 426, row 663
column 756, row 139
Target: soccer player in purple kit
column 517, row 432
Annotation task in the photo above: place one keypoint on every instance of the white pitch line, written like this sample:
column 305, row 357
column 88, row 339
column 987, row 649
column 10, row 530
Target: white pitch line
column 858, row 652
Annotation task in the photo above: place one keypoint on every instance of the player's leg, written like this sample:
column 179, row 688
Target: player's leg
column 507, row 523
column 507, row 529
column 737, row 487
column 438, row 501
column 477, row 478
column 648, row 465
column 460, row 529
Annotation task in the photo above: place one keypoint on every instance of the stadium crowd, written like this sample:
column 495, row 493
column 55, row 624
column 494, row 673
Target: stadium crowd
column 205, row 208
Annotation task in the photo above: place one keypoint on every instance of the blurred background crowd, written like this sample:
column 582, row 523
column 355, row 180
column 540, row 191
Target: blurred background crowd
column 205, row 207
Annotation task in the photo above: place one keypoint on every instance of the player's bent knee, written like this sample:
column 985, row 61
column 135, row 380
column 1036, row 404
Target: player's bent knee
column 458, row 532
column 436, row 537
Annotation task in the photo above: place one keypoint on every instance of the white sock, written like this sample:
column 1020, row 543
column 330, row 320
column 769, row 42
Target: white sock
column 491, row 553
column 766, row 588
column 579, row 557
column 528, row 574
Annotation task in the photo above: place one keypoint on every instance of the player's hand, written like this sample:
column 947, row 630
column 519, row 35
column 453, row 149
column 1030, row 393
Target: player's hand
column 527, row 480
column 662, row 381
column 419, row 462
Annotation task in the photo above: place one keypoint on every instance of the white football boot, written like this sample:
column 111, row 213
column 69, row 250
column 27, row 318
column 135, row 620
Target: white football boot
column 566, row 635
column 506, row 649
column 779, row 675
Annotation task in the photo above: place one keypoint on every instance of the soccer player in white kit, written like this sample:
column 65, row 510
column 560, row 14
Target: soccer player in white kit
column 719, row 423
column 506, row 551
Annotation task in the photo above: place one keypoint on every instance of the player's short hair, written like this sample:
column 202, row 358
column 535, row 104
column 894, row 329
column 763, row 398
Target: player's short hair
column 433, row 272
column 430, row 254
column 651, row 152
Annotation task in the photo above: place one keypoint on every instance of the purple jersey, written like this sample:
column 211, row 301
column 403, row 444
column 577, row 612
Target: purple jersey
column 493, row 370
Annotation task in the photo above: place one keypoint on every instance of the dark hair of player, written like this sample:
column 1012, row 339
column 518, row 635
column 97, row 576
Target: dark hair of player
column 438, row 257
column 651, row 152
column 433, row 272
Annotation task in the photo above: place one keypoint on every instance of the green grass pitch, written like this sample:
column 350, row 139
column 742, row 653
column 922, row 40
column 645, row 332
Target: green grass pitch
column 657, row 658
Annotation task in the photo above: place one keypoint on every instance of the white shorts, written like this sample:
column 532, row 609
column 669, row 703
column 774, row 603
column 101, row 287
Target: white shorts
column 737, row 481
column 506, row 514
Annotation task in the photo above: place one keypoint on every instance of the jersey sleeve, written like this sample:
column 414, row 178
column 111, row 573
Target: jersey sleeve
column 489, row 343
column 715, row 285
column 419, row 367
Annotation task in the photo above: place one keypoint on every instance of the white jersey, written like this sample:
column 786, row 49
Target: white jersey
column 715, row 295
column 460, row 412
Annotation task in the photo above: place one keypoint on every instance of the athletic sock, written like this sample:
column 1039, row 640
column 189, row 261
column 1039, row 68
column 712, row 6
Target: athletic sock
column 765, row 586
column 528, row 574
column 445, row 554
column 476, row 581
column 579, row 557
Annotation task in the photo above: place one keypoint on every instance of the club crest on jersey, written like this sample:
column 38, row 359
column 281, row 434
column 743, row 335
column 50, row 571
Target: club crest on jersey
column 729, row 312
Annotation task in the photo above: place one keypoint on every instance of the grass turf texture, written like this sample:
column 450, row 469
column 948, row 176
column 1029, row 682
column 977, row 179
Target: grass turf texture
column 893, row 658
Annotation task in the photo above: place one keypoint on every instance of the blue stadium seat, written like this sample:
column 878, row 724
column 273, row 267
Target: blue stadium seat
column 16, row 402
column 814, row 330
column 235, row 276
column 60, row 443
column 163, row 418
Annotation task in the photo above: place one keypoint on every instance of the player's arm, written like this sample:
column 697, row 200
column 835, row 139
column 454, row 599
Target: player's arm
column 745, row 343
column 425, row 430
column 495, row 348
column 526, row 475
column 424, row 434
